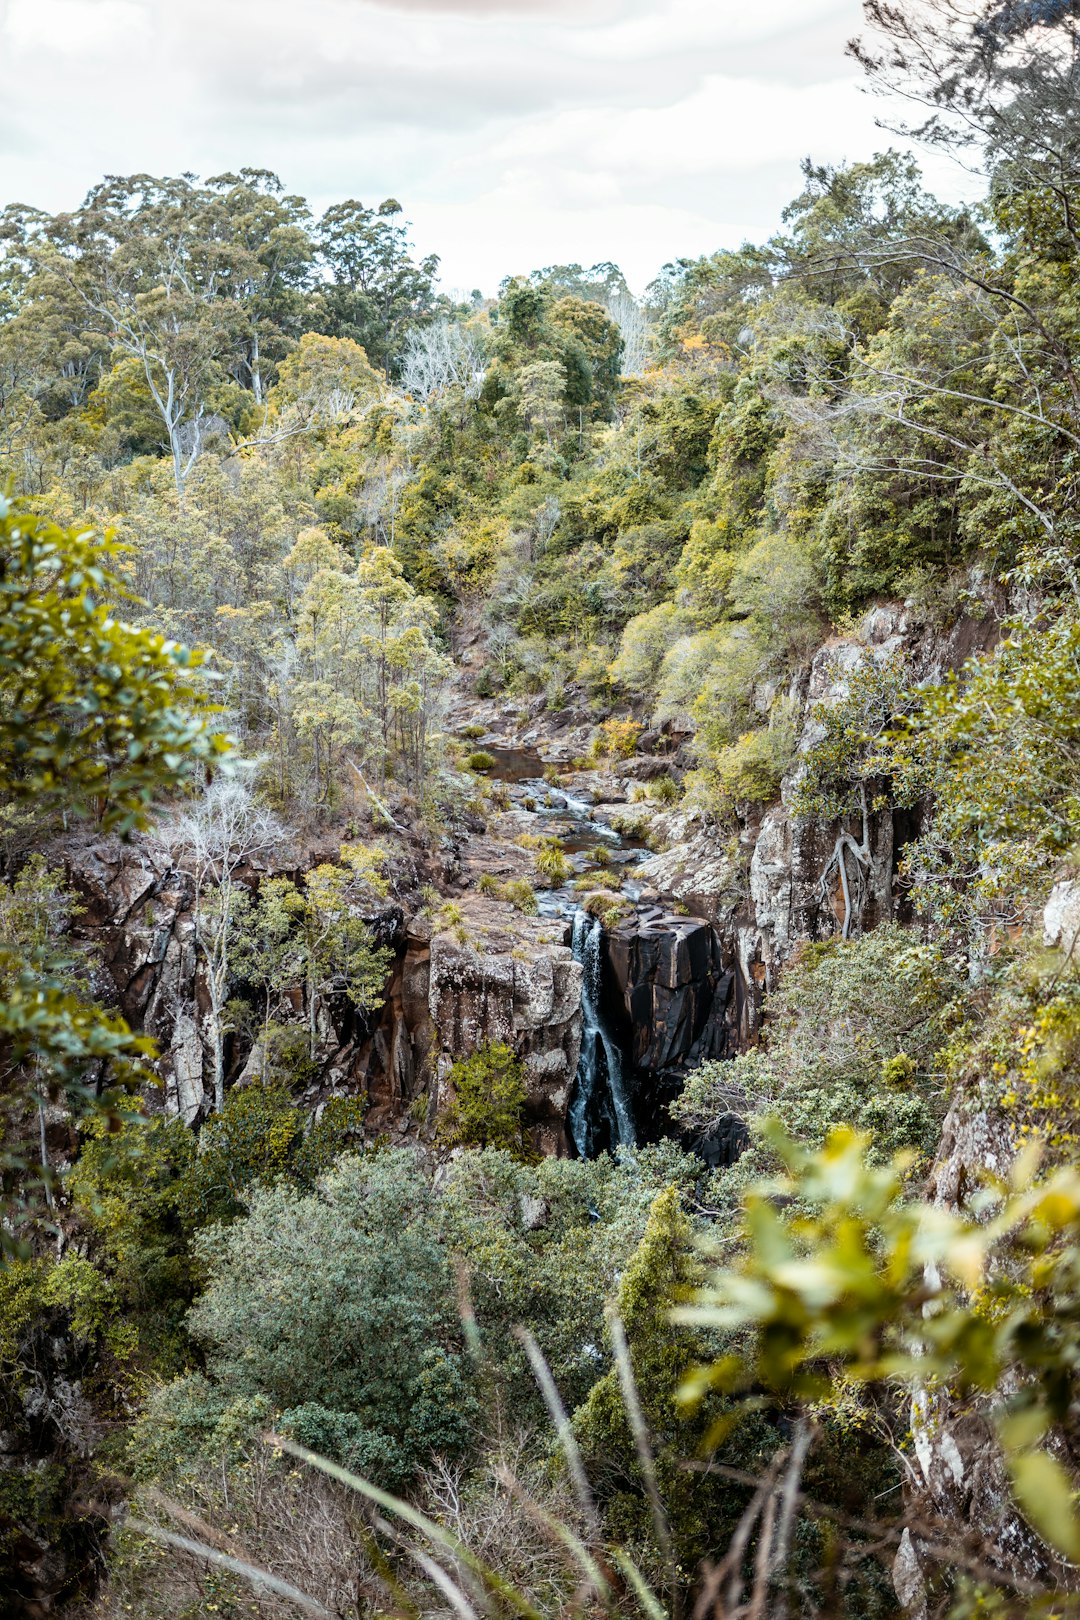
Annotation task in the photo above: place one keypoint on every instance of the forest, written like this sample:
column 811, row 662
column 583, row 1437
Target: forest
column 539, row 894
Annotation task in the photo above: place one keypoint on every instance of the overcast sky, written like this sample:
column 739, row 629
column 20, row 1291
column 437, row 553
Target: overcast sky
column 516, row 133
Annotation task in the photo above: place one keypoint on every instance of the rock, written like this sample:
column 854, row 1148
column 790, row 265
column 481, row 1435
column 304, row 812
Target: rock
column 185, row 1092
column 960, row 1464
column 670, row 997
column 907, row 1577
column 523, row 989
column 642, row 768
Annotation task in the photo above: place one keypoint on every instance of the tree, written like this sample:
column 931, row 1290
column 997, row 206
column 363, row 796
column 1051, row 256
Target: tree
column 369, row 674
column 96, row 719
column 377, row 291
column 336, row 948
column 441, row 356
column 487, row 1104
column 370, row 1362
column 323, row 381
column 153, row 268
column 661, row 1275
column 269, row 231
column 221, row 833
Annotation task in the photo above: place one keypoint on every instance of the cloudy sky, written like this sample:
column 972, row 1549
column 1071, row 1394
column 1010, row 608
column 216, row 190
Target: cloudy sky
column 516, row 133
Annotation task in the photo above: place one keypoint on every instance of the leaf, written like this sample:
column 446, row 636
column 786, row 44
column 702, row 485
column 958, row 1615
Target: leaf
column 1044, row 1491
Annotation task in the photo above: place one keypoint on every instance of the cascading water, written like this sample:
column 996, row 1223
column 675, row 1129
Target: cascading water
column 600, row 1097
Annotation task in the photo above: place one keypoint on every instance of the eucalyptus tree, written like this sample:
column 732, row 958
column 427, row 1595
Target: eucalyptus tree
column 376, row 289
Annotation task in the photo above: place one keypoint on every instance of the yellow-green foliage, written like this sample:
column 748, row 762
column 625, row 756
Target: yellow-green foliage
column 20, row 1301
column 487, row 1105
column 748, row 771
column 662, row 1274
column 615, row 739
column 517, row 892
column 261, row 1137
column 92, row 1304
column 839, row 1291
column 551, row 862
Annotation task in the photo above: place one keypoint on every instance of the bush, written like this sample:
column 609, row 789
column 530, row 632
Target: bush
column 341, row 1299
column 519, row 893
column 615, row 739
column 487, row 1108
column 480, row 761
column 251, row 1140
column 551, row 862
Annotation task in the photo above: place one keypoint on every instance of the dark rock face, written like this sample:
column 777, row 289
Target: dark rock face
column 957, row 1475
column 54, row 1513
column 672, row 1003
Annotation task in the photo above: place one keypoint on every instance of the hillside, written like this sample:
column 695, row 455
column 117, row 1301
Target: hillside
column 538, row 900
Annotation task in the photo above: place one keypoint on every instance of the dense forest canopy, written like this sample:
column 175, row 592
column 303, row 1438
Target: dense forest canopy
column 296, row 551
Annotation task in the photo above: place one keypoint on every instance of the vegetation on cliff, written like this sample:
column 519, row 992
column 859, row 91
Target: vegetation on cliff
column 271, row 501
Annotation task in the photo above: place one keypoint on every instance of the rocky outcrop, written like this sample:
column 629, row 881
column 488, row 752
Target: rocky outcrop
column 764, row 891
column 672, row 1004
column 54, row 1511
column 513, row 980
column 957, row 1479
column 137, row 914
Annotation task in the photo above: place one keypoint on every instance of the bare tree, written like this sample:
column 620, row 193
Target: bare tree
column 440, row 357
column 629, row 316
column 220, row 833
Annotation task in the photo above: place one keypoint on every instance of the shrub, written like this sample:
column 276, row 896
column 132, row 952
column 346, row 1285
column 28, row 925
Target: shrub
column 664, row 789
column 551, row 862
column 252, row 1139
column 519, row 893
column 615, row 739
column 487, row 1108
column 480, row 761
column 341, row 1299
column 604, row 879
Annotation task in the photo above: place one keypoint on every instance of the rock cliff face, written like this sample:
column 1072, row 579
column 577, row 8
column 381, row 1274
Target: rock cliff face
column 511, row 979
column 765, row 896
column 679, row 988
column 671, row 1004
column 957, row 1475
column 514, row 982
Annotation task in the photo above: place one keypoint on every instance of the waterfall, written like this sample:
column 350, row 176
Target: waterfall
column 600, row 1088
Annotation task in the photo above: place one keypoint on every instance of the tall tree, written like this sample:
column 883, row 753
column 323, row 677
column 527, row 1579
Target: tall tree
column 377, row 290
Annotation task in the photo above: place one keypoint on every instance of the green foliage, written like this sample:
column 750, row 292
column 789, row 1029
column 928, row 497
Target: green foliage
column 867, row 1286
column 487, row 1104
column 375, row 1337
column 853, row 1037
column 545, row 1246
column 130, row 1187
column 661, row 1275
column 992, row 744
column 252, row 1139
column 551, row 862
column 98, row 717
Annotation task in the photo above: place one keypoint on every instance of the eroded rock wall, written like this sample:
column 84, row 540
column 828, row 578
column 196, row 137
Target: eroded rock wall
column 764, row 891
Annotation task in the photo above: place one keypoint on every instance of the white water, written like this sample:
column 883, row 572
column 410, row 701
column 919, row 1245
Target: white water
column 600, row 1067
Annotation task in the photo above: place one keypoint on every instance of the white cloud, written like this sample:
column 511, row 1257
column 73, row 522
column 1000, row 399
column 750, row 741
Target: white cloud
column 516, row 132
